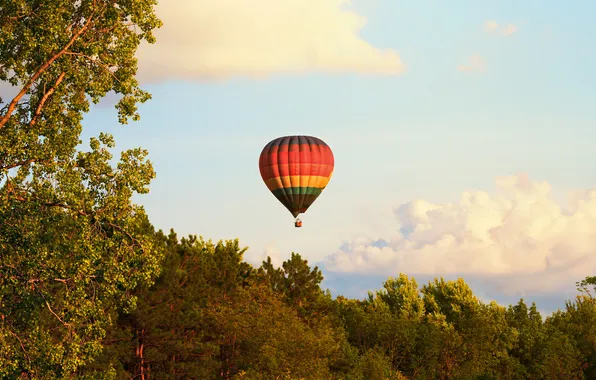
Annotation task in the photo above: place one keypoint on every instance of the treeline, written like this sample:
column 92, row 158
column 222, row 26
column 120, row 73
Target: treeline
column 212, row 316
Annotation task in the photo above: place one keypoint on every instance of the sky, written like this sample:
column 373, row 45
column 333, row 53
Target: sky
column 463, row 135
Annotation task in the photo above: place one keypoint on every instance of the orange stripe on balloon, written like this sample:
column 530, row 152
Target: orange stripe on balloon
column 273, row 171
column 279, row 182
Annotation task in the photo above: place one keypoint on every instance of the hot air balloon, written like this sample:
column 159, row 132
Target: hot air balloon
column 296, row 169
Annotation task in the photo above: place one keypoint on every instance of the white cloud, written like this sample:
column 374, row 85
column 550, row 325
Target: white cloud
column 475, row 64
column 269, row 250
column 519, row 236
column 206, row 39
column 491, row 26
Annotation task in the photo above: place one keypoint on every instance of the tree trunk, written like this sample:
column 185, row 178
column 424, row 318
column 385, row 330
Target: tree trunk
column 140, row 348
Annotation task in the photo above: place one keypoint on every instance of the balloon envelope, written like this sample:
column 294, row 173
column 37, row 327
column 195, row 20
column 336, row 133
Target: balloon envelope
column 296, row 169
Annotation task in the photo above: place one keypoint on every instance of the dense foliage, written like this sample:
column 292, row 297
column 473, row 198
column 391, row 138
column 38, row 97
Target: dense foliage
column 211, row 315
column 72, row 244
column 88, row 289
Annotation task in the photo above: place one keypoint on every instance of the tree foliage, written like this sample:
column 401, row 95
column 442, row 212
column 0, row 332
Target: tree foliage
column 212, row 316
column 72, row 244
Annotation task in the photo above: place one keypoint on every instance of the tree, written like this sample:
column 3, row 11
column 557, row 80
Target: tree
column 374, row 365
column 559, row 356
column 585, row 285
column 299, row 284
column 397, row 313
column 575, row 327
column 209, row 316
column 402, row 296
column 72, row 244
column 482, row 330
column 529, row 328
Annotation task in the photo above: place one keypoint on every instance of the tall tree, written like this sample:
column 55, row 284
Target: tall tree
column 298, row 283
column 72, row 244
column 528, row 326
column 482, row 330
column 207, row 316
column 576, row 327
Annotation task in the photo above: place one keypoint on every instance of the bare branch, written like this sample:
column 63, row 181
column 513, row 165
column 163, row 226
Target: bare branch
column 56, row 315
column 21, row 343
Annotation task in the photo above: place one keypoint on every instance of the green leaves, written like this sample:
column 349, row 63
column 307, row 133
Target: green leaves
column 443, row 331
column 210, row 314
column 79, row 248
column 299, row 285
column 72, row 245
column 91, row 42
column 587, row 286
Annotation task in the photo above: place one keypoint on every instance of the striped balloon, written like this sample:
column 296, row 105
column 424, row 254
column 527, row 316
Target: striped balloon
column 296, row 169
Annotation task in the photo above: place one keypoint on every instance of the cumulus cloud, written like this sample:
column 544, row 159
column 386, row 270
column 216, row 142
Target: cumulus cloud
column 519, row 235
column 269, row 250
column 491, row 26
column 475, row 64
column 206, row 39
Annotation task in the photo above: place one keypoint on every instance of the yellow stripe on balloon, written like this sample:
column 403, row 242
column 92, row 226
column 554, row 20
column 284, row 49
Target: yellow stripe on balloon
column 321, row 181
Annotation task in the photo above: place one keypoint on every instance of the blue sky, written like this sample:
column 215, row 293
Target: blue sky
column 430, row 133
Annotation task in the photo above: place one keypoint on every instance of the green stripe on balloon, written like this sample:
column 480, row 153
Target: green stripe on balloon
column 300, row 190
column 290, row 198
